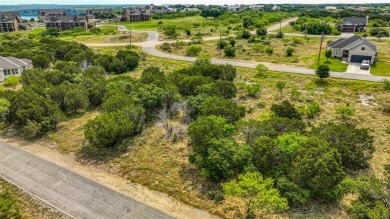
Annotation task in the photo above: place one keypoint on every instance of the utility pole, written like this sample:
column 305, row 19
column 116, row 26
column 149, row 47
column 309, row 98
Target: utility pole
column 319, row 54
column 130, row 35
column 220, row 43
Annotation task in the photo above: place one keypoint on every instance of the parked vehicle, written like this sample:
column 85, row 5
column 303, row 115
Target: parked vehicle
column 365, row 64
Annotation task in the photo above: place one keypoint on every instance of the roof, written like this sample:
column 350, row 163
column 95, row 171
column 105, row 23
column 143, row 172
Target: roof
column 344, row 42
column 9, row 17
column 355, row 20
column 135, row 11
column 99, row 10
column 52, row 11
column 13, row 63
column 65, row 19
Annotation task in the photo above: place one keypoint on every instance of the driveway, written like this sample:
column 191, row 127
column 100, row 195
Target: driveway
column 355, row 69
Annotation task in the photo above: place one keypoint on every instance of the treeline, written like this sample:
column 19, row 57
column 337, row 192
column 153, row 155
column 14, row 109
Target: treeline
column 313, row 26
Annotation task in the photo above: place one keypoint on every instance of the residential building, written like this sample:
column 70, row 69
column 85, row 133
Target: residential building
column 361, row 9
column 42, row 14
column 354, row 49
column 275, row 8
column 13, row 66
column 135, row 14
column 98, row 13
column 386, row 13
column 354, row 24
column 161, row 10
column 257, row 7
column 66, row 22
column 10, row 21
column 330, row 8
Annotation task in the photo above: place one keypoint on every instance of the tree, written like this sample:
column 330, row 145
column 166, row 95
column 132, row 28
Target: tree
column 153, row 75
column 203, row 60
column 355, row 145
column 221, row 88
column 149, row 96
column 289, row 51
column 40, row 61
column 253, row 89
column 4, row 109
column 225, row 108
column 261, row 31
column 258, row 192
column 265, row 154
column 52, row 32
column 317, row 167
column 328, row 54
column 322, row 71
column 261, row 69
column 286, row 110
column 69, row 97
column 279, row 35
column 230, row 51
column 280, row 85
column 204, row 129
column 193, row 50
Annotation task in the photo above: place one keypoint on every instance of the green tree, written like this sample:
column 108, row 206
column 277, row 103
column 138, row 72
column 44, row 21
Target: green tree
column 170, row 31
column 328, row 54
column 69, row 97
column 230, row 51
column 153, row 75
column 220, row 88
column 4, row 109
column 317, row 167
column 265, row 154
column 193, row 50
column 261, row 31
column 322, row 71
column 286, row 110
column 280, row 85
column 354, row 144
column 258, row 192
column 261, row 69
column 253, row 89
column 40, row 61
column 149, row 96
column 225, row 108
column 289, row 51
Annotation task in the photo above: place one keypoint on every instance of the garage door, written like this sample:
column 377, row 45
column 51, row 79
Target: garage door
column 360, row 59
column 348, row 30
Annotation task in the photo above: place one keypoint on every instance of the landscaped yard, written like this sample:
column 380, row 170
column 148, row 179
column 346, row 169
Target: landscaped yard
column 333, row 63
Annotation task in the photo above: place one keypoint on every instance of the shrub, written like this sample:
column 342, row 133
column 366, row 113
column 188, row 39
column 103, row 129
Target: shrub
column 95, row 30
column 253, row 89
column 221, row 44
column 245, row 34
column 12, row 81
column 286, row 110
column 261, row 32
column 279, row 35
column 344, row 112
column 261, row 69
column 289, row 51
column 269, row 50
column 230, row 51
column 9, row 208
column 193, row 50
column 386, row 85
column 312, row 110
column 166, row 47
column 188, row 32
column 322, row 71
column 225, row 108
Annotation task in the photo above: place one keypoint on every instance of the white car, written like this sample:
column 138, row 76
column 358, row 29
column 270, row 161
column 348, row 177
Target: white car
column 365, row 64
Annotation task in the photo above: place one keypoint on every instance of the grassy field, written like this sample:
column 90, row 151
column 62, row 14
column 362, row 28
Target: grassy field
column 110, row 38
column 180, row 179
column 334, row 64
column 29, row 207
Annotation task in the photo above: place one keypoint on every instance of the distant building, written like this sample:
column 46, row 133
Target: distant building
column 257, row 7
column 66, row 22
column 386, row 13
column 13, row 66
column 135, row 14
column 354, row 49
column 275, row 8
column 161, row 10
column 42, row 14
column 330, row 8
column 98, row 13
column 354, row 24
column 10, row 21
column 361, row 9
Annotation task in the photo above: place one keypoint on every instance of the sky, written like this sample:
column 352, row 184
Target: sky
column 206, row 2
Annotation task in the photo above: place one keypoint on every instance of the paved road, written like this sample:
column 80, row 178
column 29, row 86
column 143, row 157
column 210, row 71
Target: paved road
column 149, row 46
column 71, row 193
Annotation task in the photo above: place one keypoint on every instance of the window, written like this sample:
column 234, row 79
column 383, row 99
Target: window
column 363, row 48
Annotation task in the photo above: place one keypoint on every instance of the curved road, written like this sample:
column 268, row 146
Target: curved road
column 149, row 46
column 72, row 194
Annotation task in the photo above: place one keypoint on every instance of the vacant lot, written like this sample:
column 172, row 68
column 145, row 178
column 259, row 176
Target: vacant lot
column 152, row 160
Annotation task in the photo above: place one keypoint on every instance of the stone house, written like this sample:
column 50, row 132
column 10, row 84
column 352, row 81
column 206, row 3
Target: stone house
column 135, row 14
column 10, row 21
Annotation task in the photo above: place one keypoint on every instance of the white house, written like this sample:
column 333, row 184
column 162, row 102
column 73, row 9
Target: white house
column 13, row 66
column 354, row 49
column 330, row 8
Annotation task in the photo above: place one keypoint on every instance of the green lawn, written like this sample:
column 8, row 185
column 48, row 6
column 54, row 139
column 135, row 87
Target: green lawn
column 381, row 68
column 334, row 64
column 153, row 24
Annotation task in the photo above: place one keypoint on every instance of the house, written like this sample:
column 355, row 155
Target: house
column 98, row 13
column 361, row 9
column 161, row 10
column 10, row 21
column 354, row 24
column 13, row 66
column 354, row 49
column 330, row 8
column 66, row 22
column 275, row 8
column 135, row 14
column 257, row 7
column 42, row 14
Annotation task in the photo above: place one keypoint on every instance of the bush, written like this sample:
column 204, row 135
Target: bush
column 269, row 50
column 344, row 112
column 322, row 71
column 166, row 47
column 12, row 81
column 253, row 89
column 95, row 30
column 221, row 44
column 279, row 35
column 188, row 32
column 312, row 110
column 230, row 51
column 245, row 34
column 261, row 32
column 225, row 108
column 289, row 51
column 286, row 110
column 193, row 50
column 261, row 69
column 386, row 85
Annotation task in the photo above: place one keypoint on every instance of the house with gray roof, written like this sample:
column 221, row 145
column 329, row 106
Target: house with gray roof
column 354, row 24
column 98, row 13
column 66, row 22
column 10, row 21
column 13, row 66
column 42, row 14
column 135, row 14
column 354, row 49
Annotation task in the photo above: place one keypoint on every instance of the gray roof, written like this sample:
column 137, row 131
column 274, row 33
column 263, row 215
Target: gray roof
column 355, row 21
column 344, row 42
column 65, row 19
column 52, row 11
column 9, row 17
column 99, row 10
column 13, row 63
column 136, row 11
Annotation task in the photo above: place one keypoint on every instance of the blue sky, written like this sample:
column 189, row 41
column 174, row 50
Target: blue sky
column 157, row 2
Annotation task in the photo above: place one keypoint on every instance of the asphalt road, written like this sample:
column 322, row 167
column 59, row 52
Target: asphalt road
column 70, row 193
